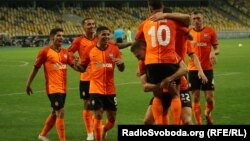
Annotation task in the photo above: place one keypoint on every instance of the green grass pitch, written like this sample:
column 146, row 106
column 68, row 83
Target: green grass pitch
column 22, row 116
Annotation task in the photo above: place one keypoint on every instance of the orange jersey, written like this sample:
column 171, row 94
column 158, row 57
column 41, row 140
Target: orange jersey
column 182, row 45
column 202, row 46
column 55, row 68
column 139, row 35
column 102, row 68
column 160, row 40
column 79, row 45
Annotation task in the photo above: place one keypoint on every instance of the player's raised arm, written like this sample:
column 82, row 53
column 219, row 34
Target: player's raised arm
column 181, row 17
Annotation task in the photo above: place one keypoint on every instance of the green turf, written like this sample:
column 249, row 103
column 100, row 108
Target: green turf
column 22, row 116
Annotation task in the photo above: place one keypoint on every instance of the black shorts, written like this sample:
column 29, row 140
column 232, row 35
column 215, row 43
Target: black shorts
column 157, row 72
column 196, row 84
column 166, row 101
column 57, row 100
column 186, row 100
column 107, row 102
column 84, row 89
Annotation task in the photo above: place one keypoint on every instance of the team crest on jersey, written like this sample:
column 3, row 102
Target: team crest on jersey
column 111, row 55
column 205, row 35
column 65, row 56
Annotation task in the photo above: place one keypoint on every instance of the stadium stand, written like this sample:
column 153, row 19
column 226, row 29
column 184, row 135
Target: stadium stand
column 18, row 21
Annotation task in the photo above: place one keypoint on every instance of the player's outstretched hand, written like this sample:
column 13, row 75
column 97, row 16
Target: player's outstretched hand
column 29, row 90
column 118, row 61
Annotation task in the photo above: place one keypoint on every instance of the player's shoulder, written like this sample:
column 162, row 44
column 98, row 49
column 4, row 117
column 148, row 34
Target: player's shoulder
column 44, row 50
column 78, row 38
column 209, row 28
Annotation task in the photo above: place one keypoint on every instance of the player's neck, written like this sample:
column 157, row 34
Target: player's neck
column 199, row 28
column 90, row 36
column 101, row 46
column 56, row 48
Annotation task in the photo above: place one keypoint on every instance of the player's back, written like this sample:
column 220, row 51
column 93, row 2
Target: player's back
column 181, row 44
column 160, row 40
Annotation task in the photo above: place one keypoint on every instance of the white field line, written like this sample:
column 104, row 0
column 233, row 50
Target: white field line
column 24, row 63
column 119, row 84
column 42, row 91
column 21, row 63
column 228, row 73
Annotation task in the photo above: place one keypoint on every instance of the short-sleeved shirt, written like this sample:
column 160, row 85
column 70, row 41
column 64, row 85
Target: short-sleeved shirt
column 55, row 68
column 202, row 46
column 102, row 68
column 160, row 40
column 79, row 45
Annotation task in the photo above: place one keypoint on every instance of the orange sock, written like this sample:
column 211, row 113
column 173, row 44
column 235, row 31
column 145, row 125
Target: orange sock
column 176, row 110
column 157, row 111
column 166, row 119
column 60, row 129
column 209, row 108
column 197, row 112
column 49, row 123
column 109, row 125
column 88, row 120
column 98, row 129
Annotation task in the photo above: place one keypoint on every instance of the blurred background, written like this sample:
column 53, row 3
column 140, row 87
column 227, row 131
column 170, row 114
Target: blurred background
column 27, row 23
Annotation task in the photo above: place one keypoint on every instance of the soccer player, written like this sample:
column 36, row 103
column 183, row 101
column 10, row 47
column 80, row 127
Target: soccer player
column 54, row 59
column 161, row 59
column 88, row 39
column 183, row 47
column 205, row 45
column 139, row 49
column 102, row 59
column 79, row 45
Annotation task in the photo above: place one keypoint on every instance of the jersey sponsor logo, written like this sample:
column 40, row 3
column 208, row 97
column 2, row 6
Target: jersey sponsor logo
column 60, row 67
column 105, row 65
column 201, row 44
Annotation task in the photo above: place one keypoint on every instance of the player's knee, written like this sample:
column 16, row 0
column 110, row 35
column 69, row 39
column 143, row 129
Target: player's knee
column 60, row 113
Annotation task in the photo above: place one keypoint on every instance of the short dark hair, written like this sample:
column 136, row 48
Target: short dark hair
column 101, row 28
column 85, row 19
column 54, row 31
column 155, row 4
column 197, row 12
column 137, row 45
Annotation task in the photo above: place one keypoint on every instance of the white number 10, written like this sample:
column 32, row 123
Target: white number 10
column 162, row 28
